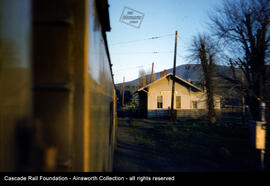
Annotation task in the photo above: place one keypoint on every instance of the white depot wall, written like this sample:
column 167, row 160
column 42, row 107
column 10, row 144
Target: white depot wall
column 164, row 88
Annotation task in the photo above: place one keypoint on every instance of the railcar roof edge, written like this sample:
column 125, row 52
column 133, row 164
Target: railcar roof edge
column 103, row 15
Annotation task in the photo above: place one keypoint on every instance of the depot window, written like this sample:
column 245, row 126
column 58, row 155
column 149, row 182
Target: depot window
column 159, row 102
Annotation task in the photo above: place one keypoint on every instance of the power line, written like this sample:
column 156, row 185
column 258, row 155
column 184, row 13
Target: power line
column 133, row 53
column 182, row 40
column 134, row 41
column 180, row 56
column 131, row 68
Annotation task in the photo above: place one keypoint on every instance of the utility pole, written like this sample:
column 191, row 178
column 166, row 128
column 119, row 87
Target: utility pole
column 173, row 115
column 123, row 92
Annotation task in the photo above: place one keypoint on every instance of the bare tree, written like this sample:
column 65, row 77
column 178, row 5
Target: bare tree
column 243, row 27
column 205, row 52
column 153, row 76
column 143, row 79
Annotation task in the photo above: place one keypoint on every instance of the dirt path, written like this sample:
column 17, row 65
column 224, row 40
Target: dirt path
column 133, row 157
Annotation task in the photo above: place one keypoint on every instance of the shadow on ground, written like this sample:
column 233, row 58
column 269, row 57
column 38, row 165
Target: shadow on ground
column 158, row 146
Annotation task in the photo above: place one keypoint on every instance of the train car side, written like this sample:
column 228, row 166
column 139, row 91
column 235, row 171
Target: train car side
column 70, row 106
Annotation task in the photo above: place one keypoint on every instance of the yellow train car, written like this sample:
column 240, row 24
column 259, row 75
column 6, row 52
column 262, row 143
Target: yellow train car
column 57, row 93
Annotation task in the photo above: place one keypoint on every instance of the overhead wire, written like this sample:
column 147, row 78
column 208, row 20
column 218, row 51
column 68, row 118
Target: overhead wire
column 134, row 41
column 133, row 53
column 140, row 66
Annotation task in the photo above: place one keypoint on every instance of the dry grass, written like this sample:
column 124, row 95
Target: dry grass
column 225, row 144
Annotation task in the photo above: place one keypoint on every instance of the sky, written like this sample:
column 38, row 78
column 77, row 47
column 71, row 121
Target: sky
column 132, row 49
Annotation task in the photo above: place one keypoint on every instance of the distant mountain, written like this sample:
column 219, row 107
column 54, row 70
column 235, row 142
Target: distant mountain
column 187, row 71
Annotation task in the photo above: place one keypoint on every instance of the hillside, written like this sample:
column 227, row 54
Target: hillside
column 187, row 71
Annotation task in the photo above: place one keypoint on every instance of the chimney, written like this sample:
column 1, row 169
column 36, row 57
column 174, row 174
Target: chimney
column 164, row 73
